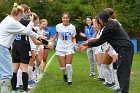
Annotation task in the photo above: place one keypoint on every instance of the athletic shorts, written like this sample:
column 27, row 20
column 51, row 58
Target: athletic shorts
column 33, row 46
column 98, row 50
column 64, row 53
column 21, row 55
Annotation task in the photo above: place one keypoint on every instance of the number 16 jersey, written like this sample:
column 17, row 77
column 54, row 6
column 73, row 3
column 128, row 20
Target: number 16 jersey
column 65, row 34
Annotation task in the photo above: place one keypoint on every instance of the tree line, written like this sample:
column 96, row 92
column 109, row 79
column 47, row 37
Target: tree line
column 127, row 11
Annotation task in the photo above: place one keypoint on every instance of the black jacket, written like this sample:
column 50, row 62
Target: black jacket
column 115, row 35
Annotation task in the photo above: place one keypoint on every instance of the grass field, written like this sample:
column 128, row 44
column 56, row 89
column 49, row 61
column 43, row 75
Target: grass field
column 53, row 82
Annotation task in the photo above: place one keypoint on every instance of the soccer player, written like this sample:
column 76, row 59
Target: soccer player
column 8, row 28
column 115, row 35
column 88, row 33
column 65, row 33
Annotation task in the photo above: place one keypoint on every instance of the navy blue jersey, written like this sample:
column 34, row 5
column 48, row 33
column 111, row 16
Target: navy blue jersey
column 22, row 40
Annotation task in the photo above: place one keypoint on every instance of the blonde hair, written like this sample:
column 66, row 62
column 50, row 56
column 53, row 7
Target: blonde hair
column 43, row 20
column 16, row 10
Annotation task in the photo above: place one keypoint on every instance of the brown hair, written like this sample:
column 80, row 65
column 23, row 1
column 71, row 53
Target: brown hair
column 66, row 13
column 110, row 12
column 43, row 20
column 16, row 10
column 25, row 7
column 35, row 16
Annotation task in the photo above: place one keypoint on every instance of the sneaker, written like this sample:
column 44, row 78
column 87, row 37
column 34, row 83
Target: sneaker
column 65, row 78
column 69, row 83
column 30, row 82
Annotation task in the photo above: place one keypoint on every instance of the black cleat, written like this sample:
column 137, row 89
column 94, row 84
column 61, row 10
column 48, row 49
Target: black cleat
column 69, row 83
column 65, row 78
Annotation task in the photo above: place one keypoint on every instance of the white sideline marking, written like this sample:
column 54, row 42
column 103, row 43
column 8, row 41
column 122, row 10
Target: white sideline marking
column 48, row 63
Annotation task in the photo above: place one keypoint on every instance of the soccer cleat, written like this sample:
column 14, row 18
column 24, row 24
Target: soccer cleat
column 30, row 82
column 69, row 83
column 65, row 78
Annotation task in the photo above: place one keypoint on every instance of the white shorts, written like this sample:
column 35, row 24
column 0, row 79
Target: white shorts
column 33, row 46
column 64, row 53
column 98, row 50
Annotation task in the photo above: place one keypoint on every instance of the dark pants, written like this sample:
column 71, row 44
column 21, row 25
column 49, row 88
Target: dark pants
column 124, row 68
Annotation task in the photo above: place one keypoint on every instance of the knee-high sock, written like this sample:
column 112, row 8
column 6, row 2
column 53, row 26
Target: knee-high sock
column 69, row 70
column 107, row 73
column 25, row 81
column 19, row 78
column 116, row 79
column 5, row 86
column 98, row 68
column 30, row 72
column 63, row 69
column 14, row 81
column 36, row 72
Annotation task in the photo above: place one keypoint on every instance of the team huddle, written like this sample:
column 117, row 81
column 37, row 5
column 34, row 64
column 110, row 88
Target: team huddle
column 29, row 41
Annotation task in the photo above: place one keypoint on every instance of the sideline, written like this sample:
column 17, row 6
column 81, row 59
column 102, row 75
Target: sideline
column 48, row 63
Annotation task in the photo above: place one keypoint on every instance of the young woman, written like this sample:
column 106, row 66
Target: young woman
column 8, row 28
column 65, row 46
column 88, row 33
column 42, row 51
column 115, row 35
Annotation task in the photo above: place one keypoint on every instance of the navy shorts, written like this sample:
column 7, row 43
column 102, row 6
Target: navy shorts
column 21, row 55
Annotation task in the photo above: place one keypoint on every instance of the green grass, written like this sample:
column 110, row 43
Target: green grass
column 53, row 82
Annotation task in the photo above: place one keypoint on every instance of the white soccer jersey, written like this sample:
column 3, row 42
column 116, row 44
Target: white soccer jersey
column 65, row 34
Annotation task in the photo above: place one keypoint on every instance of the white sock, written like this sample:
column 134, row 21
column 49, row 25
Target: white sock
column 5, row 86
column 116, row 79
column 19, row 77
column 36, row 71
column 102, row 71
column 98, row 68
column 63, row 69
column 41, row 68
column 69, row 70
column 30, row 72
column 107, row 73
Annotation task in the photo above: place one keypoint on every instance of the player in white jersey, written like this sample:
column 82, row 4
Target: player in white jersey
column 65, row 33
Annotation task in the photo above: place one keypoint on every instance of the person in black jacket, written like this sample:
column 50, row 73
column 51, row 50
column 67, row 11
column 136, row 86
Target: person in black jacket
column 115, row 35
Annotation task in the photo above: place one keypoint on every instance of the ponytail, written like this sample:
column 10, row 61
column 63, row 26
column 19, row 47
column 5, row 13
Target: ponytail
column 16, row 10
